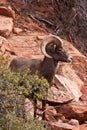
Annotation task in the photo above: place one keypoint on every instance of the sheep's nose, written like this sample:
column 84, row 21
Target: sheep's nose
column 70, row 59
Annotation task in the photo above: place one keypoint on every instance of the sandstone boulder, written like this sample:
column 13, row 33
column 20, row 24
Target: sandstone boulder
column 8, row 12
column 6, row 26
column 65, row 91
column 75, row 110
column 2, row 39
column 61, row 126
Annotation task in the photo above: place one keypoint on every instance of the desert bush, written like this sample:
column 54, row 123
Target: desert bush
column 14, row 87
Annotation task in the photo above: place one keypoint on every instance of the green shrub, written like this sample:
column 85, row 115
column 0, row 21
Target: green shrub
column 14, row 87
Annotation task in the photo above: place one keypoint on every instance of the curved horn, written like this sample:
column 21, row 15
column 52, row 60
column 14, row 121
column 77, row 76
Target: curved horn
column 48, row 40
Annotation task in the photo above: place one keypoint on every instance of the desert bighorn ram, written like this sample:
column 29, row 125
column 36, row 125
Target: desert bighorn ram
column 52, row 48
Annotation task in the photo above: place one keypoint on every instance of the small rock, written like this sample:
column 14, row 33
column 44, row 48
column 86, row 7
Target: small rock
column 6, row 26
column 17, row 30
column 61, row 126
column 1, row 40
column 29, row 108
column 40, row 37
column 84, row 93
column 50, row 113
column 73, row 122
column 7, row 12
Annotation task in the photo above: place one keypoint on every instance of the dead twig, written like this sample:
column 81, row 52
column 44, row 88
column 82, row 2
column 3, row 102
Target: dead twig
column 56, row 3
column 42, row 22
column 46, row 21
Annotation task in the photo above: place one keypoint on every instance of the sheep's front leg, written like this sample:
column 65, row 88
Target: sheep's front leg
column 44, row 106
column 35, row 108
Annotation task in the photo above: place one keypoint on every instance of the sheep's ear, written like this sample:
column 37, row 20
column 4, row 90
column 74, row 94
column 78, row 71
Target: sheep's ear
column 54, row 47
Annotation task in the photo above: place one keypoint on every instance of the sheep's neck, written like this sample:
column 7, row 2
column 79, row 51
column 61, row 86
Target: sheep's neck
column 48, row 68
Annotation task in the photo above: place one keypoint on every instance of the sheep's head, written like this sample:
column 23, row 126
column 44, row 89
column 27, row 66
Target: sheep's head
column 52, row 47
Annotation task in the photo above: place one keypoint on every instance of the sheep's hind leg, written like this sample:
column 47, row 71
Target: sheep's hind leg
column 43, row 109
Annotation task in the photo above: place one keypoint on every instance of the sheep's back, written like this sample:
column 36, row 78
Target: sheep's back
column 21, row 64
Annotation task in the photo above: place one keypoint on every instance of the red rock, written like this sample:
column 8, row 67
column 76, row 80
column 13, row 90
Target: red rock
column 29, row 108
column 67, row 71
column 4, row 2
column 56, row 96
column 2, row 39
column 7, row 12
column 70, row 87
column 40, row 37
column 78, row 66
column 74, row 122
column 75, row 110
column 17, row 30
column 83, row 127
column 50, row 113
column 6, row 26
column 84, row 93
column 61, row 126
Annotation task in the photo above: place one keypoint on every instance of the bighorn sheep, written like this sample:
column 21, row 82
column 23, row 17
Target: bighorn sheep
column 52, row 48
